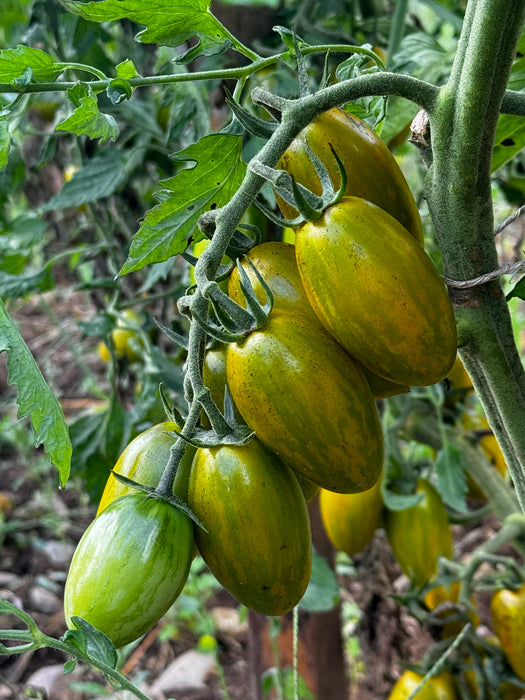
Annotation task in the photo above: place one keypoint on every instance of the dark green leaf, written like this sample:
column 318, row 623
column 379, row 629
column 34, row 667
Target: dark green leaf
column 167, row 23
column 451, row 477
column 518, row 291
column 99, row 178
column 87, row 120
column 15, row 286
column 35, row 399
column 167, row 227
column 322, row 593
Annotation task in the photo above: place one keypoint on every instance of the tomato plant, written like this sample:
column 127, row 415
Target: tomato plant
column 439, row 687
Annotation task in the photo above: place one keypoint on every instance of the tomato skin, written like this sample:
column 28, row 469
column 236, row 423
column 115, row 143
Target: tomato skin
column 308, row 402
column 507, row 610
column 143, row 460
column 129, row 567
column 377, row 292
column 420, row 534
column 459, row 381
column 476, row 421
column 351, row 519
column 258, row 543
column 277, row 264
column 440, row 687
column 372, row 171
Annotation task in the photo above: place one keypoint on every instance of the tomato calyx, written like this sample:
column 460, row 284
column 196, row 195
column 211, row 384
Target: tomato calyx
column 229, row 321
column 152, row 492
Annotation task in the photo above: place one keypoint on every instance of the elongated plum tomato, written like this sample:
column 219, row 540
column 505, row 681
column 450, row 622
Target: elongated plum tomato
column 439, row 687
column 308, row 401
column 351, row 519
column 129, row 567
column 419, row 535
column 507, row 610
column 371, row 170
column 258, row 531
column 144, row 460
column 375, row 289
column 277, row 265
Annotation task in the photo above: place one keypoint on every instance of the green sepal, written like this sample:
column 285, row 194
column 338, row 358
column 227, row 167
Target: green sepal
column 253, row 125
column 177, row 338
column 239, row 435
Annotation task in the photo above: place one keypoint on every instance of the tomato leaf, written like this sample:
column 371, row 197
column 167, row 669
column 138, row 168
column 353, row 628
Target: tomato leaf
column 87, row 120
column 517, row 291
column 211, row 183
column 322, row 592
column 91, row 642
column 24, row 64
column 451, row 477
column 99, row 178
column 15, row 286
column 167, row 23
column 35, row 398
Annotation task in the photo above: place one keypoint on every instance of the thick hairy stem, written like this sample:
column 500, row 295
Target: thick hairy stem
column 463, row 124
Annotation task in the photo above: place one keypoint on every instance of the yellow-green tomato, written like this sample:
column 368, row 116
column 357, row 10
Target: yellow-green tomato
column 125, row 338
column 351, row 519
column 129, row 567
column 371, row 169
column 419, row 535
column 308, row 401
column 257, row 541
column 507, row 609
column 144, row 460
column 377, row 292
column 439, row 687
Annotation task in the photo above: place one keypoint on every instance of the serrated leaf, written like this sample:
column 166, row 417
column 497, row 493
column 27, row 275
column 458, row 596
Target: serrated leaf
column 92, row 642
column 167, row 23
column 35, row 398
column 127, row 70
column 87, row 120
column 119, row 89
column 15, row 286
column 322, row 593
column 166, row 228
column 99, row 178
column 5, row 142
column 15, row 62
column 451, row 476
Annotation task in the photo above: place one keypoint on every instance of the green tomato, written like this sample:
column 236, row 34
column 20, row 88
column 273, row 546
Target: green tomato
column 257, row 541
column 419, row 535
column 144, row 460
column 309, row 402
column 129, row 567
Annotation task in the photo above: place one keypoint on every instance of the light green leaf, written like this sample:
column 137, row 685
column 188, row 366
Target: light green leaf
column 127, row 69
column 86, row 119
column 99, row 178
column 211, row 183
column 451, row 475
column 509, row 140
column 167, row 23
column 35, row 398
column 5, row 142
column 15, row 62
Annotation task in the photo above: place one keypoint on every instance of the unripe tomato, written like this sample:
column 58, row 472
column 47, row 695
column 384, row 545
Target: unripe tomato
column 372, row 171
column 420, row 534
column 448, row 594
column 460, row 382
column 277, row 265
column 377, row 292
column 258, row 531
column 121, row 338
column 507, row 610
column 351, row 519
column 308, row 401
column 129, row 567
column 143, row 460
column 214, row 376
column 439, row 687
